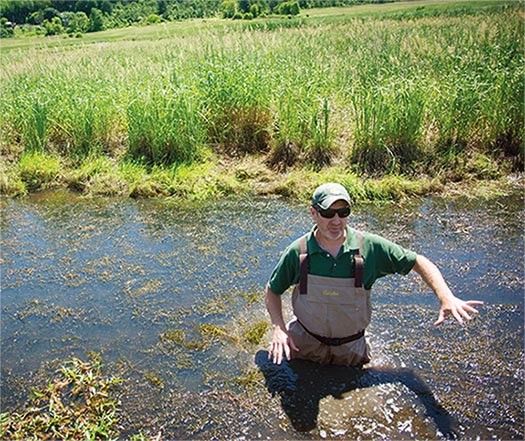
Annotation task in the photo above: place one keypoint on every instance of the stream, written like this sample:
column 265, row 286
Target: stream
column 166, row 294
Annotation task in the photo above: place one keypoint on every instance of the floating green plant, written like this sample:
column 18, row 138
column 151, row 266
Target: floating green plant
column 251, row 377
column 257, row 332
column 252, row 297
column 154, row 378
column 214, row 332
column 77, row 404
column 178, row 337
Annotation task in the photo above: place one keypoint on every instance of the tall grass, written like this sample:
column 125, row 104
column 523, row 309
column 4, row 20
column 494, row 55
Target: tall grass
column 391, row 94
column 389, row 126
column 164, row 127
column 233, row 82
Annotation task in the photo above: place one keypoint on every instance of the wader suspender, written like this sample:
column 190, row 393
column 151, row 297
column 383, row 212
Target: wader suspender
column 304, row 266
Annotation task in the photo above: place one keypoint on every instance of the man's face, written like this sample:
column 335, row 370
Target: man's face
column 333, row 228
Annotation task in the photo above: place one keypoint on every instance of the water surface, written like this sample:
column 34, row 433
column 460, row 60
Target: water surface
column 135, row 281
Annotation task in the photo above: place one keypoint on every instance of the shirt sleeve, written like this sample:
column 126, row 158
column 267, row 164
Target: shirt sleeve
column 286, row 272
column 386, row 257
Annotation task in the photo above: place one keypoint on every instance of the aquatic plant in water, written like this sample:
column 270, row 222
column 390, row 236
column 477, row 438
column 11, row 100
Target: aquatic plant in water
column 77, row 404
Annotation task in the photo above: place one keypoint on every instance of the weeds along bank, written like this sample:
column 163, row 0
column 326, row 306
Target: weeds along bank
column 438, row 96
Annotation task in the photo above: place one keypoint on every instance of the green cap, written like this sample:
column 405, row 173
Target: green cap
column 326, row 194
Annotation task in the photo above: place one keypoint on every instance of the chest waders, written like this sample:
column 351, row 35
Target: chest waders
column 331, row 314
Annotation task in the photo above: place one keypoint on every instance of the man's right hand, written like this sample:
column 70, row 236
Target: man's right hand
column 281, row 343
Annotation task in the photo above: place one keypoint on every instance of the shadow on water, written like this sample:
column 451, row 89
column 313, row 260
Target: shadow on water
column 302, row 385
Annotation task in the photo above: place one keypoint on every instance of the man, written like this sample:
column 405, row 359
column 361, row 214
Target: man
column 334, row 268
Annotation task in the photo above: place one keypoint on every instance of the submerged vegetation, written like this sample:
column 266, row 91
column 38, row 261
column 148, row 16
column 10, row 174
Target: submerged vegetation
column 430, row 93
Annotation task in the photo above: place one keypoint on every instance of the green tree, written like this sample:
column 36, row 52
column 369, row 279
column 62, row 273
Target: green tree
column 289, row 8
column 64, row 5
column 105, row 6
column 96, row 20
column 152, row 19
column 294, row 8
column 6, row 28
column 50, row 13
column 79, row 22
column 53, row 27
column 162, row 7
column 244, row 5
column 17, row 11
column 255, row 9
column 85, row 6
column 229, row 8
column 36, row 18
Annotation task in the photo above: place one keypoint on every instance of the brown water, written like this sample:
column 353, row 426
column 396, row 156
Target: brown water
column 135, row 281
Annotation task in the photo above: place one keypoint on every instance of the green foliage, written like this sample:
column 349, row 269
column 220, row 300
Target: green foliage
column 165, row 127
column 234, row 96
column 6, row 28
column 255, row 334
column 152, row 19
column 203, row 181
column 97, row 175
column 53, row 27
column 380, row 97
column 289, row 8
column 79, row 22
column 87, row 6
column 228, row 8
column 320, row 144
column 35, row 123
column 77, row 404
column 255, row 9
column 10, row 182
column 86, row 125
column 50, row 13
column 16, row 11
column 38, row 170
column 389, row 124
column 96, row 20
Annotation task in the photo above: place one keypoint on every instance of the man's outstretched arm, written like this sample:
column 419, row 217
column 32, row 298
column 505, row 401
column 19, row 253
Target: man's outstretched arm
column 450, row 304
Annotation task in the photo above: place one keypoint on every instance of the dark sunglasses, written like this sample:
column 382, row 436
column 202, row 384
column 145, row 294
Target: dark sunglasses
column 329, row 213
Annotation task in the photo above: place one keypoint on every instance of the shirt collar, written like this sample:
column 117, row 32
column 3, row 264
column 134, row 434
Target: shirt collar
column 351, row 242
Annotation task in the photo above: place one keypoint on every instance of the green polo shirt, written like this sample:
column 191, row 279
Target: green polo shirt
column 381, row 257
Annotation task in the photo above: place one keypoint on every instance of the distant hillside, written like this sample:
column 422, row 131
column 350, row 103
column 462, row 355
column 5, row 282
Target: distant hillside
column 75, row 17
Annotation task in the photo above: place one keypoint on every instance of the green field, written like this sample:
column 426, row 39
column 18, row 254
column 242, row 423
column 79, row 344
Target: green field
column 393, row 99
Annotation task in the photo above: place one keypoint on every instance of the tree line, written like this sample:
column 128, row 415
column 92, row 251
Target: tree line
column 74, row 17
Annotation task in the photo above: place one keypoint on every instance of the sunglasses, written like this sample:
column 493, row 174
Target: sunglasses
column 329, row 213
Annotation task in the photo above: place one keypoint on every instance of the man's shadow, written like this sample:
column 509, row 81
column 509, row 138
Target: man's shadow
column 302, row 384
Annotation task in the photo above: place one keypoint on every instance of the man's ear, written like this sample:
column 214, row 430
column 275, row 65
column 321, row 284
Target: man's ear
column 313, row 212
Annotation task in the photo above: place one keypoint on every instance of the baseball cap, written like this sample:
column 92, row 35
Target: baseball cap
column 326, row 194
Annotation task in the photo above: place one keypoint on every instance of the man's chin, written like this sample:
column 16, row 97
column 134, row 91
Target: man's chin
column 335, row 235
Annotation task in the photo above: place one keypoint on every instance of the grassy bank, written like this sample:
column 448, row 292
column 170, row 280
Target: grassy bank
column 393, row 100
column 248, row 176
